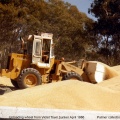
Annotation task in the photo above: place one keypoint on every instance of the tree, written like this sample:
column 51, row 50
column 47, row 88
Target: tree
column 69, row 26
column 108, row 24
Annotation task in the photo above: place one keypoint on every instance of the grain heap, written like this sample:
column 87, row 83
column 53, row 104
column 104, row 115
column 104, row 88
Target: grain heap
column 71, row 94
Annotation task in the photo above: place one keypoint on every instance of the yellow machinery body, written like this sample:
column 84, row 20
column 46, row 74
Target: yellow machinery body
column 38, row 67
column 16, row 62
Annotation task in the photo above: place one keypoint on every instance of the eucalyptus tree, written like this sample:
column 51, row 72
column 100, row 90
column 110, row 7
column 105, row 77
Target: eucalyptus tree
column 108, row 24
column 65, row 21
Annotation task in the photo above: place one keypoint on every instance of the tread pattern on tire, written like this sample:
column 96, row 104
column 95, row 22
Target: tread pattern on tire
column 25, row 72
column 69, row 75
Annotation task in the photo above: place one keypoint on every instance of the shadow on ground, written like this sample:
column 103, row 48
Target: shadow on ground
column 6, row 89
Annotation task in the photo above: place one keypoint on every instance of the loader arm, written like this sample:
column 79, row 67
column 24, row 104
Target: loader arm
column 68, row 67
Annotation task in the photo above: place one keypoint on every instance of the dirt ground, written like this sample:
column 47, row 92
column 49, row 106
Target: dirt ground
column 70, row 94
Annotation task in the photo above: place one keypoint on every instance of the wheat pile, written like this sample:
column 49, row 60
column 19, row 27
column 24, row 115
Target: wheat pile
column 70, row 94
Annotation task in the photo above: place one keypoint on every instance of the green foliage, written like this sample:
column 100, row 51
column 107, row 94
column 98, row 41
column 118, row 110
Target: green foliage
column 108, row 25
column 108, row 14
column 69, row 26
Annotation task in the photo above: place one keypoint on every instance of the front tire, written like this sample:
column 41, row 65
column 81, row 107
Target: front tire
column 72, row 76
column 14, row 83
column 29, row 77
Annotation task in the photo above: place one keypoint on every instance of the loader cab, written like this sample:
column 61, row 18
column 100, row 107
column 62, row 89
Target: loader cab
column 43, row 50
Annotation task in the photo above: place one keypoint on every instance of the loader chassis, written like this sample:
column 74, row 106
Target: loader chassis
column 37, row 65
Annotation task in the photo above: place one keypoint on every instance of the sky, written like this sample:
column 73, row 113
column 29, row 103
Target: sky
column 82, row 5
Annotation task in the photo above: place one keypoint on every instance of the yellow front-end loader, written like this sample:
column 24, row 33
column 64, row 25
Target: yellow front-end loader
column 37, row 65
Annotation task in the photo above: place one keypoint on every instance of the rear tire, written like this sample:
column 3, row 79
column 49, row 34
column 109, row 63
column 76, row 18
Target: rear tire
column 72, row 76
column 29, row 77
column 14, row 83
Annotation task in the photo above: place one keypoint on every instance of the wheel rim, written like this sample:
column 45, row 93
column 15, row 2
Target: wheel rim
column 30, row 80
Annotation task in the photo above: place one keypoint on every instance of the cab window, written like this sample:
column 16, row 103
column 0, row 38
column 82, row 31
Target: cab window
column 37, row 48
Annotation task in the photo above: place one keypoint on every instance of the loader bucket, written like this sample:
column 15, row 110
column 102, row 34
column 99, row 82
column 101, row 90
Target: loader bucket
column 98, row 72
